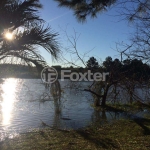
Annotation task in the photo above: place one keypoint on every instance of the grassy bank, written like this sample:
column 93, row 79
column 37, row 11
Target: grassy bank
column 122, row 135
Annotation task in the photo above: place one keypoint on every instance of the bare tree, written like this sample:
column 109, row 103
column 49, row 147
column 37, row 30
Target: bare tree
column 137, row 12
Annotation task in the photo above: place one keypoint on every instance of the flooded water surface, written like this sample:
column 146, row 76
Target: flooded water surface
column 25, row 105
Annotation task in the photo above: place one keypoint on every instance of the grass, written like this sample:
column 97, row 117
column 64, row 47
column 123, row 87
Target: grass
column 121, row 135
column 136, row 106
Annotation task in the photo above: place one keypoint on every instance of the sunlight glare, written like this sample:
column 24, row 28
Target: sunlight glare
column 8, row 95
column 9, row 36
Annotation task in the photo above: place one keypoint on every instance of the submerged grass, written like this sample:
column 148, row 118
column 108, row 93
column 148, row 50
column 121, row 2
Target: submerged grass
column 122, row 135
column 136, row 106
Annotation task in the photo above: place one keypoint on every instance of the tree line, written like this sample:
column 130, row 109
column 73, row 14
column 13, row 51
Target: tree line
column 126, row 76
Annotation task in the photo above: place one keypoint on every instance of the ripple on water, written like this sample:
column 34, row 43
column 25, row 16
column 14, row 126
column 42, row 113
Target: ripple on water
column 22, row 111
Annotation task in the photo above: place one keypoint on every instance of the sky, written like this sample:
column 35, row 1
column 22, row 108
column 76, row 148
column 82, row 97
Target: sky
column 99, row 35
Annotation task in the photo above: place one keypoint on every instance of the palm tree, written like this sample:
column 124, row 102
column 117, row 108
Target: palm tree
column 21, row 20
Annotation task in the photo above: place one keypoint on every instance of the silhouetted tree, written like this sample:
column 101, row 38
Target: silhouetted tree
column 125, row 76
column 92, row 63
column 139, row 14
column 22, row 20
column 135, row 11
column 108, row 63
column 84, row 8
column 130, row 10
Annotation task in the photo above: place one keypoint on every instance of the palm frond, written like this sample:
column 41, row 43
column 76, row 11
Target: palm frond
column 39, row 36
column 16, row 13
column 26, row 42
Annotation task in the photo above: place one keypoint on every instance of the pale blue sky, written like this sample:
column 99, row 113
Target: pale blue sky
column 100, row 33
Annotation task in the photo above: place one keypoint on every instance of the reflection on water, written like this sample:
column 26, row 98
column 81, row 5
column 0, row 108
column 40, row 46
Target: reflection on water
column 8, row 99
column 23, row 109
column 25, row 105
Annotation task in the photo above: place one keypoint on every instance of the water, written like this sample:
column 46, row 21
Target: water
column 22, row 108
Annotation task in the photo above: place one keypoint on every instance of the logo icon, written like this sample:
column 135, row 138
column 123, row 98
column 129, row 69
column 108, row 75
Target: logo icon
column 49, row 75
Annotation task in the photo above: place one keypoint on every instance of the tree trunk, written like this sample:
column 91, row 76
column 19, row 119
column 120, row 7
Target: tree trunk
column 97, row 101
column 105, row 96
column 103, row 101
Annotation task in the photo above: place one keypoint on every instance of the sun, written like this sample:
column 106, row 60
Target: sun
column 9, row 36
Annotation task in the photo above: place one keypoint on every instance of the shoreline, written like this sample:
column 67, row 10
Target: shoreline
column 122, row 134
